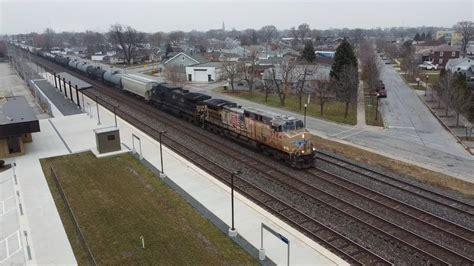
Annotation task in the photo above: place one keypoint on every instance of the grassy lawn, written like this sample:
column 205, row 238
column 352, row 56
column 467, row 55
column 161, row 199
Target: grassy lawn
column 433, row 75
column 418, row 173
column 116, row 200
column 333, row 111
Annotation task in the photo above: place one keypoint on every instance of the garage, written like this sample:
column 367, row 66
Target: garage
column 200, row 75
column 205, row 72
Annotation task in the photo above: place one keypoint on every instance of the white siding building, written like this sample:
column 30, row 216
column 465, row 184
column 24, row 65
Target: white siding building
column 205, row 72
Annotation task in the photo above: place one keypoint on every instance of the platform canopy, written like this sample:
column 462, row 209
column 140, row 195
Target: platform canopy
column 81, row 85
column 16, row 117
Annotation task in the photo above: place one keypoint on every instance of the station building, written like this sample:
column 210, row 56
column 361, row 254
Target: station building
column 17, row 122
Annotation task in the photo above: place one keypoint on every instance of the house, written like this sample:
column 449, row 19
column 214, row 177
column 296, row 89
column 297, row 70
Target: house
column 114, row 59
column 464, row 66
column 424, row 53
column 450, row 36
column 17, row 122
column 204, row 72
column 184, row 59
column 470, row 48
column 443, row 53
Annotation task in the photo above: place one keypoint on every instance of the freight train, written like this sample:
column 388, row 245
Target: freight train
column 281, row 137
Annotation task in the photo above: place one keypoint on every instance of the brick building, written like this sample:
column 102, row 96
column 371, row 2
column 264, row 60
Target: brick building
column 443, row 53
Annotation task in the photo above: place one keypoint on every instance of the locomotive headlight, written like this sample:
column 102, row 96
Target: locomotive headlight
column 302, row 151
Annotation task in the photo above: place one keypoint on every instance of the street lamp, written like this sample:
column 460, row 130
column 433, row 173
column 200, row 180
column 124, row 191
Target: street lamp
column 426, row 84
column 161, row 132
column 305, row 107
column 232, row 231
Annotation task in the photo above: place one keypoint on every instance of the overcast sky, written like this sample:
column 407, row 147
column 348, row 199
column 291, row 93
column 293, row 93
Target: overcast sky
column 71, row 15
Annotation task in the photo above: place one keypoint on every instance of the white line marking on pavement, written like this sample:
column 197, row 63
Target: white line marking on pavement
column 333, row 135
column 350, row 135
column 401, row 127
column 17, row 233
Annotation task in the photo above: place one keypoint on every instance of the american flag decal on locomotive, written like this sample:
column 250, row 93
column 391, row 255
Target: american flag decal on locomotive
column 237, row 121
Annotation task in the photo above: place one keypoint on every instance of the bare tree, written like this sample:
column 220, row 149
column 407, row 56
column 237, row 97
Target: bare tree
column 249, row 69
column 269, row 85
column 460, row 99
column 174, row 74
column 369, row 63
column 93, row 41
column 232, row 70
column 323, row 90
column 283, row 79
column 445, row 90
column 303, row 31
column 303, row 74
column 466, row 28
column 126, row 39
column 268, row 32
column 409, row 63
column 347, row 86
column 157, row 38
column 176, row 36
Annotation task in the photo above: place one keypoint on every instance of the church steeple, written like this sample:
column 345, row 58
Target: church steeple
column 223, row 26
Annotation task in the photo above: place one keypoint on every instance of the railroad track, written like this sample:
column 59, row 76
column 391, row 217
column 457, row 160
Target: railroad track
column 398, row 184
column 302, row 219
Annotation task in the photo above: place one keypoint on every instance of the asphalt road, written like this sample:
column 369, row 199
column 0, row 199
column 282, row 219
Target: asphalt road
column 406, row 115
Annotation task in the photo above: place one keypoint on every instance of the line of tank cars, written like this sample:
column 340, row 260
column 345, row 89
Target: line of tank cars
column 279, row 136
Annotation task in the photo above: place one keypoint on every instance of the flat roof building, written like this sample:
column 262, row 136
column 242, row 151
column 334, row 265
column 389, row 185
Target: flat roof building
column 17, row 122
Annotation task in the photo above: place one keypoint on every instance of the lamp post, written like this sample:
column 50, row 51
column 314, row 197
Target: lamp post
column 305, row 107
column 161, row 153
column 232, row 231
column 426, row 84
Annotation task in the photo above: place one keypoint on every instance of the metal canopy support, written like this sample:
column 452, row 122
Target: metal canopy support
column 65, row 89
column 285, row 240
column 70, row 91
column 59, row 82
column 77, row 97
column 55, row 81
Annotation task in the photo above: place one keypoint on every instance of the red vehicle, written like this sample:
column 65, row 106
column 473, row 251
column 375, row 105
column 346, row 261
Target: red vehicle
column 380, row 90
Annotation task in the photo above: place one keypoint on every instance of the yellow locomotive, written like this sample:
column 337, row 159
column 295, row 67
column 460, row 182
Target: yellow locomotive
column 282, row 137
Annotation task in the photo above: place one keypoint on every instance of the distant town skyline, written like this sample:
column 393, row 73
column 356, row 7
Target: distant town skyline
column 152, row 16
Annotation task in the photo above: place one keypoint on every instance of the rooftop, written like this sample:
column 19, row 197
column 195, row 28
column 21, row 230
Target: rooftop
column 16, row 117
column 445, row 48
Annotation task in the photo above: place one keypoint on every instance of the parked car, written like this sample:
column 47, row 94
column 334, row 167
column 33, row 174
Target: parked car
column 428, row 66
column 380, row 90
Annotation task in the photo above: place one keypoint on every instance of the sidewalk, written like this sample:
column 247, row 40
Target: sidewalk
column 361, row 105
column 463, row 131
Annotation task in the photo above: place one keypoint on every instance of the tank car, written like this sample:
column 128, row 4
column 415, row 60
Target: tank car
column 113, row 77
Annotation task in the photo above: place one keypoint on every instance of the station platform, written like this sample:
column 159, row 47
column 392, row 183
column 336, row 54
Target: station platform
column 46, row 241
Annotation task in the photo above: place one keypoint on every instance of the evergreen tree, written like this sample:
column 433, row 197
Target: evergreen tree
column 429, row 37
column 417, row 37
column 345, row 56
column 169, row 49
column 423, row 37
column 308, row 52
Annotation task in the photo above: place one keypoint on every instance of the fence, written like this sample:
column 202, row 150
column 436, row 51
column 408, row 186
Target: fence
column 73, row 218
